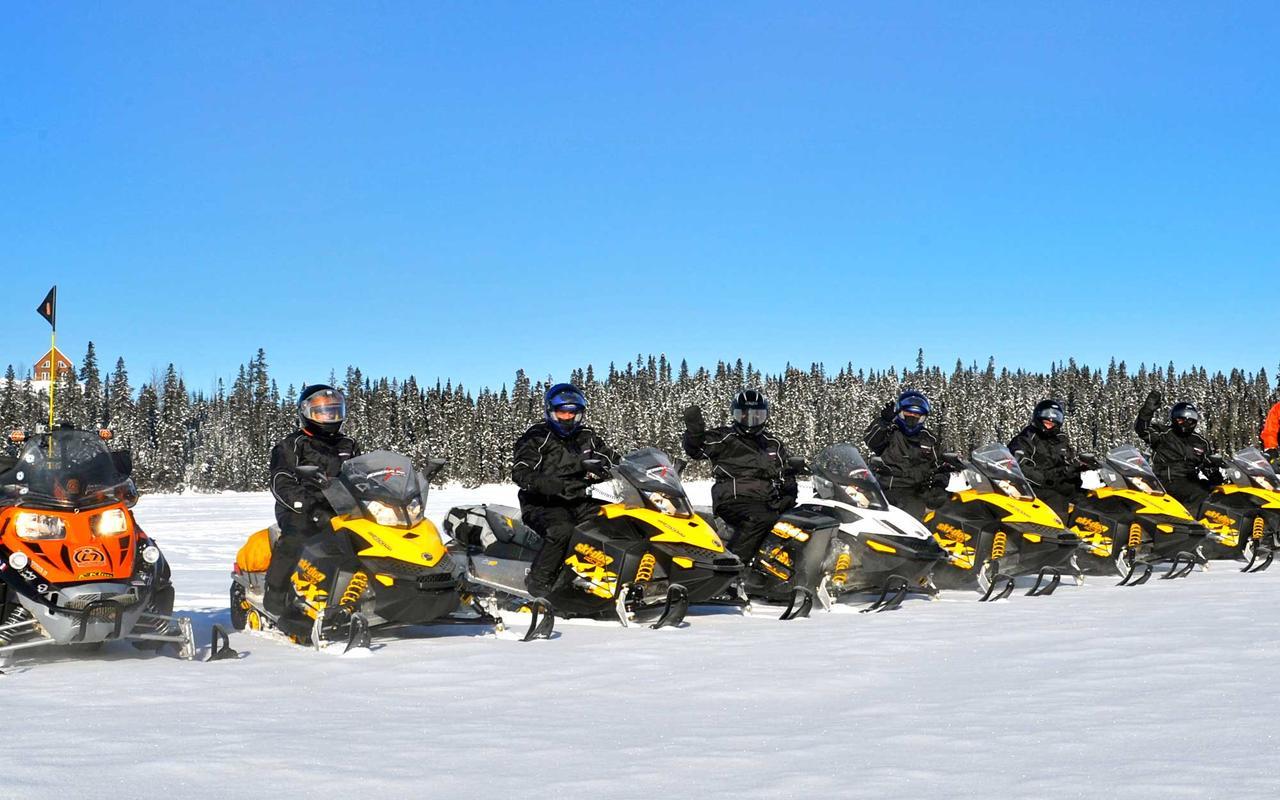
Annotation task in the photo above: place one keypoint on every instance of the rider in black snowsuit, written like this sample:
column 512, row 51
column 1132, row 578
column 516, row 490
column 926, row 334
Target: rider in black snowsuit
column 754, row 483
column 549, row 468
column 301, row 509
column 1047, row 458
column 1179, row 454
column 911, row 471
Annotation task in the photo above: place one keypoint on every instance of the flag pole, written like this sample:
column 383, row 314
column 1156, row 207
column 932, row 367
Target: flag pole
column 53, row 384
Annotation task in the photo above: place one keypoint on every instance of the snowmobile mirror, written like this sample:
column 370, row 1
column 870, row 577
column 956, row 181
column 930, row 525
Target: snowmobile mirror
column 876, row 463
column 798, row 465
column 434, row 465
column 680, row 465
column 122, row 460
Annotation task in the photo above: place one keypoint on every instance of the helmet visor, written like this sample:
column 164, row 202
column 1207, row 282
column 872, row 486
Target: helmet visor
column 1050, row 415
column 751, row 417
column 327, row 405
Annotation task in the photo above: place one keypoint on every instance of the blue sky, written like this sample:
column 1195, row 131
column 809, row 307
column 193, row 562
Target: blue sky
column 460, row 190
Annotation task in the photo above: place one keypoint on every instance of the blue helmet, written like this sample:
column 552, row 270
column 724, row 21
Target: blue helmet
column 565, row 397
column 913, row 407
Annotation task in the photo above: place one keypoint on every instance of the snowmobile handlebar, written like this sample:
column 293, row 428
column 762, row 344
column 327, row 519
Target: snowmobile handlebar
column 309, row 473
column 950, row 462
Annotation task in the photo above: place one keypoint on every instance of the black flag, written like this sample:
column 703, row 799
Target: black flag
column 49, row 307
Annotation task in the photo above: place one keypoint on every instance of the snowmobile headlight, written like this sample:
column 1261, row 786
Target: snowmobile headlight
column 110, row 522
column 151, row 554
column 18, row 561
column 384, row 514
column 665, row 503
column 39, row 526
column 414, row 510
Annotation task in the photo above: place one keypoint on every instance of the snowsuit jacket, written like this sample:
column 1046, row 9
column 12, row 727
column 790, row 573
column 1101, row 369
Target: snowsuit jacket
column 1271, row 429
column 548, row 467
column 747, row 467
column 1048, row 461
column 300, row 505
column 910, row 461
column 1175, row 457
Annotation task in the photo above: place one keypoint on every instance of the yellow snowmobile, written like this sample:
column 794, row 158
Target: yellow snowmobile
column 648, row 553
column 385, row 563
column 1130, row 523
column 1244, row 512
column 996, row 530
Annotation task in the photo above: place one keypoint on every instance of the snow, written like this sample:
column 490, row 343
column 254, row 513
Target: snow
column 1163, row 690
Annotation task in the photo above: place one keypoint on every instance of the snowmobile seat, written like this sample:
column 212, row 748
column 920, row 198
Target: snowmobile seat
column 493, row 530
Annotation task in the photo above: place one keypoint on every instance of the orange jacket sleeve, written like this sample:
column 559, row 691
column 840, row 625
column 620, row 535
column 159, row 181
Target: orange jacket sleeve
column 1271, row 428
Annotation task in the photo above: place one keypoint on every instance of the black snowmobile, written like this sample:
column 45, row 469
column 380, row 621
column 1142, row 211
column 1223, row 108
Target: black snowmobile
column 647, row 554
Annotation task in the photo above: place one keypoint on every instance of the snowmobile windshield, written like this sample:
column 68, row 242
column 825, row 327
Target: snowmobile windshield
column 649, row 480
column 841, row 474
column 1001, row 470
column 68, row 469
column 1250, row 468
column 382, row 486
column 1126, row 468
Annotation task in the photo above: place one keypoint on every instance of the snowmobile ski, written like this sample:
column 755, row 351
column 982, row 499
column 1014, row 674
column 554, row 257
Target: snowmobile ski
column 677, row 606
column 1127, row 563
column 1003, row 593
column 1255, row 552
column 220, row 645
column 802, row 596
column 891, row 595
column 542, row 623
column 358, row 633
column 1180, row 566
column 1055, row 578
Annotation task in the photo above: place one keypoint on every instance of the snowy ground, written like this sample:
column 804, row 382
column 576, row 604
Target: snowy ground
column 1164, row 690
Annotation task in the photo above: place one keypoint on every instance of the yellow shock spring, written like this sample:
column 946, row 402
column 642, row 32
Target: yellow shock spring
column 841, row 573
column 355, row 588
column 1259, row 526
column 998, row 545
column 1135, row 535
column 644, row 572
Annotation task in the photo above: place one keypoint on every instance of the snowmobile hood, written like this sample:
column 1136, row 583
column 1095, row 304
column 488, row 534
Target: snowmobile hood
column 68, row 546
column 693, row 531
column 420, row 544
column 1016, row 510
column 1266, row 499
column 864, row 521
column 1153, row 504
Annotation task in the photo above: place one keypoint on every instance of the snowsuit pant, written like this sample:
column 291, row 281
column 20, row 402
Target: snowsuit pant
column 915, row 502
column 751, row 521
column 556, row 525
column 1190, row 492
column 284, row 557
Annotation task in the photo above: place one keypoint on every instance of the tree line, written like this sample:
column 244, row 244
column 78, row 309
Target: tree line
column 221, row 440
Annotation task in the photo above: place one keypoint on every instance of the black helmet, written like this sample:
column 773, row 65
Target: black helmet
column 1047, row 411
column 749, row 411
column 321, row 410
column 1184, row 417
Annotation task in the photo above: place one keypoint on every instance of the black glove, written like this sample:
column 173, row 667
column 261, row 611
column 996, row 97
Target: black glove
column 548, row 484
column 323, row 519
column 1087, row 461
column 693, row 420
column 1271, row 453
column 940, row 479
column 1154, row 400
column 574, row 488
column 889, row 411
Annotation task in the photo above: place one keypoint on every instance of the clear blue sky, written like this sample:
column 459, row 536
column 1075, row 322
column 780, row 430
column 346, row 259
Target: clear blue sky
column 463, row 189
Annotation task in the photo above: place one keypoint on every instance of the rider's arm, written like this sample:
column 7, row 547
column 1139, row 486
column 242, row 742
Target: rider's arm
column 527, row 463
column 284, row 482
column 1271, row 429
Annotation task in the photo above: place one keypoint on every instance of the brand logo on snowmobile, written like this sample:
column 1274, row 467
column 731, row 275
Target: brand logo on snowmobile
column 657, row 472
column 1090, row 525
column 1218, row 518
column 73, row 486
column 948, row 531
column 592, row 555
column 88, row 557
column 94, row 574
column 387, row 473
column 786, row 530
